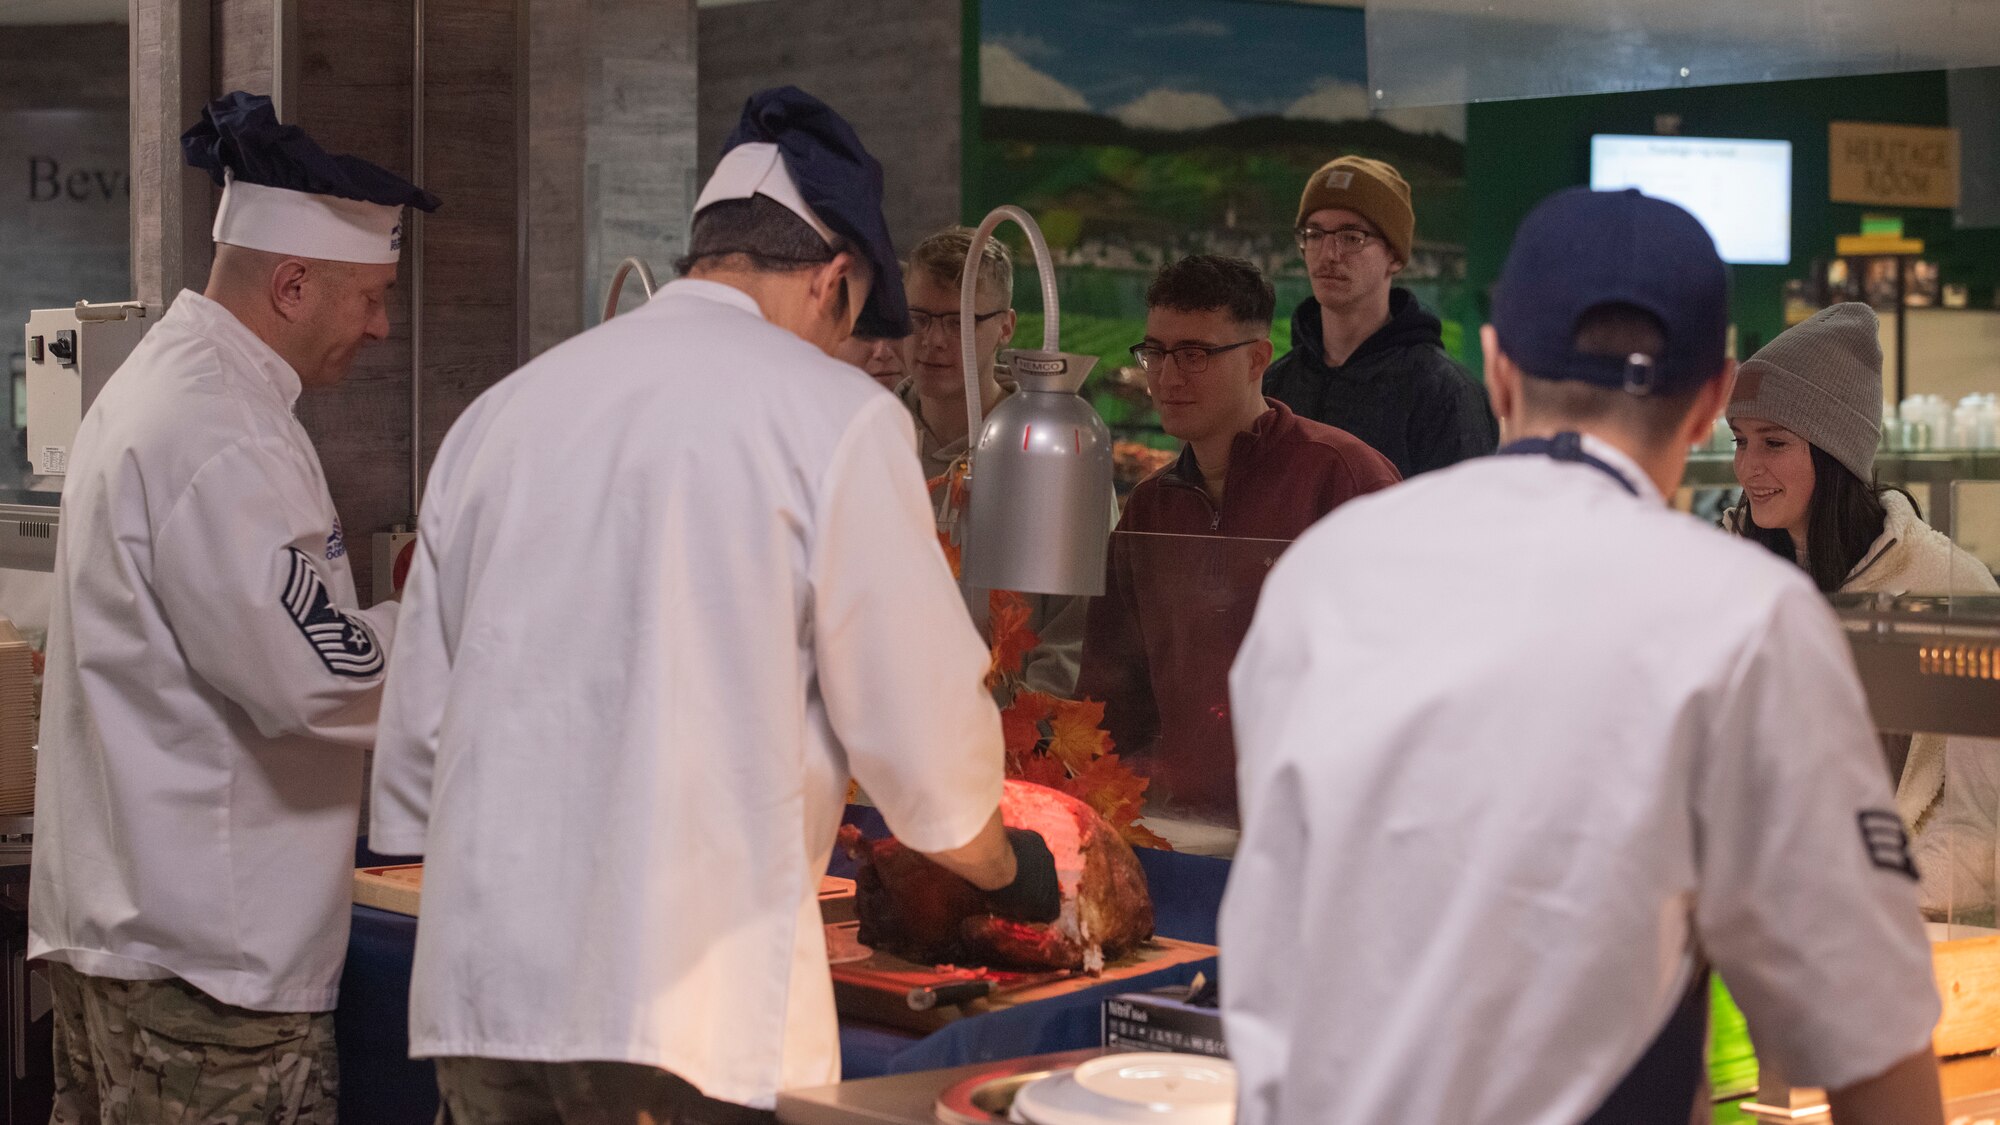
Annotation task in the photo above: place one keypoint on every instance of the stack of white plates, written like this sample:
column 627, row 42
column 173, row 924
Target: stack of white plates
column 17, row 723
column 1153, row 1088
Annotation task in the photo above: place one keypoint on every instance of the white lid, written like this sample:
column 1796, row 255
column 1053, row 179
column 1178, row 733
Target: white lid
column 1154, row 1088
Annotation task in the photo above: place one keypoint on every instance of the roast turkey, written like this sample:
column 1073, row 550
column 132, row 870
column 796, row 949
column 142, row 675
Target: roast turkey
column 913, row 908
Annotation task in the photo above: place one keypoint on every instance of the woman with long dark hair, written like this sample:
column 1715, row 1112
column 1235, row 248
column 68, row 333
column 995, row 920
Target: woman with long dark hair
column 1807, row 413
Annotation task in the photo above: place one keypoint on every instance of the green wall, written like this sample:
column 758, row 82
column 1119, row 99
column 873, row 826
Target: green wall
column 1519, row 151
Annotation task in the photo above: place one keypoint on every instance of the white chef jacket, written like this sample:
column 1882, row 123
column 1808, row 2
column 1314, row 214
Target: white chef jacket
column 210, row 687
column 1512, row 741
column 676, row 579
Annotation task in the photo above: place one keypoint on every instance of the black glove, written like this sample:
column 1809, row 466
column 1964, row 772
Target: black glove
column 1034, row 895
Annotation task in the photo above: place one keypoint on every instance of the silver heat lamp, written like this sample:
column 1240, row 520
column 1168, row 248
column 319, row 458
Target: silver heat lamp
column 1039, row 476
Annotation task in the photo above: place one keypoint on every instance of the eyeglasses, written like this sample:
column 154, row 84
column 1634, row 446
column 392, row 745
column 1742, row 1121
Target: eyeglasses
column 921, row 321
column 1193, row 358
column 1347, row 240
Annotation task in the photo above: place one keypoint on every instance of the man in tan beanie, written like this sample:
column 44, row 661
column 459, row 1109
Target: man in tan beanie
column 1366, row 356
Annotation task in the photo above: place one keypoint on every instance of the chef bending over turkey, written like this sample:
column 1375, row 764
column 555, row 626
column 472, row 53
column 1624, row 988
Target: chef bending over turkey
column 212, row 682
column 676, row 582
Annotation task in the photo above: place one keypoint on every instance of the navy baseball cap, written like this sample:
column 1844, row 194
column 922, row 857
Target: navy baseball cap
column 1581, row 249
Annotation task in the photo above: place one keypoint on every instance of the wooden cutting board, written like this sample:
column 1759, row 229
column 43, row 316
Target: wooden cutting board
column 399, row 889
column 876, row 989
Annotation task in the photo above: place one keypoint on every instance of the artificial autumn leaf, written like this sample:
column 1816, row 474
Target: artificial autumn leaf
column 1007, row 618
column 959, row 496
column 953, row 481
column 1076, row 735
column 1109, row 786
column 1021, row 722
column 1140, row 836
column 853, row 790
column 1040, row 769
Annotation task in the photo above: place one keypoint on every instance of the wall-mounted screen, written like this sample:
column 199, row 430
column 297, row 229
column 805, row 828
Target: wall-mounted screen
column 1740, row 190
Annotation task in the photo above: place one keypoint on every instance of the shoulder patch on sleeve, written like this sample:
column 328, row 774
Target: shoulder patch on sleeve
column 343, row 643
column 1887, row 844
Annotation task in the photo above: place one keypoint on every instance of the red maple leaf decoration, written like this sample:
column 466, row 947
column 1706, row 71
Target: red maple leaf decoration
column 954, row 555
column 1109, row 786
column 1021, row 722
column 1042, row 770
column 1007, row 619
column 1076, row 736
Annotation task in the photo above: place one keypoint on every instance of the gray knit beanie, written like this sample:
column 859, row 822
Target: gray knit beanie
column 1822, row 380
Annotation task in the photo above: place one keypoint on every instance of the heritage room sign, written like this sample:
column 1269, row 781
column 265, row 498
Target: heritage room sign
column 1892, row 165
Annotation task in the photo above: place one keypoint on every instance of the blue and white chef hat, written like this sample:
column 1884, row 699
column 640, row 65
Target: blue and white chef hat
column 284, row 194
column 793, row 149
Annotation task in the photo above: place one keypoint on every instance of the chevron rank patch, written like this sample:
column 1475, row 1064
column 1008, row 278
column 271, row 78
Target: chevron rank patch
column 344, row 644
column 1888, row 846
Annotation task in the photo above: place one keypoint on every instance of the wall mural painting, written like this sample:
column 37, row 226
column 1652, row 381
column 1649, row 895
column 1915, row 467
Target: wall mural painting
column 1140, row 130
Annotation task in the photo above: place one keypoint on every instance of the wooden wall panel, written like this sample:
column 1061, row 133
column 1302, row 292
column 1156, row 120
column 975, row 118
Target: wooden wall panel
column 354, row 95
column 64, row 66
column 242, row 35
column 558, row 34
column 891, row 67
column 471, row 155
column 611, row 152
column 640, row 160
column 172, row 204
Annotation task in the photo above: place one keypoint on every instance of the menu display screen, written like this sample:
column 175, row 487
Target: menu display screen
column 1740, row 190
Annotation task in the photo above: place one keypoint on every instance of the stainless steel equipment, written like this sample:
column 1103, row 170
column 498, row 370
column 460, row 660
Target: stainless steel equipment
column 1039, row 476
column 71, row 352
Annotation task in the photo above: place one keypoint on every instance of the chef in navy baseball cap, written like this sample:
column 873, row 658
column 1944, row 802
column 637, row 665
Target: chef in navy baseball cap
column 283, row 194
column 1641, row 752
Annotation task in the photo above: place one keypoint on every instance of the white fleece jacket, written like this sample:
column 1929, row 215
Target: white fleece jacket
column 1956, row 833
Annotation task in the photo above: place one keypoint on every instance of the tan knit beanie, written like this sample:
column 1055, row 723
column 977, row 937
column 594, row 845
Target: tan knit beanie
column 1822, row 380
column 1369, row 188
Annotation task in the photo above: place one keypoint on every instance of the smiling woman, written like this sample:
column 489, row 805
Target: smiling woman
column 1806, row 415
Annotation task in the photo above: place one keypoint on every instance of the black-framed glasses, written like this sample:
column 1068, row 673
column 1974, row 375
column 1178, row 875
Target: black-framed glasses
column 921, row 321
column 1347, row 240
column 1193, row 358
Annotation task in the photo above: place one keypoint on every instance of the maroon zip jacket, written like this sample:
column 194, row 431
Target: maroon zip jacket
column 1159, row 643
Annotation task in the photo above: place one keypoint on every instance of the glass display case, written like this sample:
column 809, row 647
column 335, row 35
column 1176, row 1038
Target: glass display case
column 1931, row 667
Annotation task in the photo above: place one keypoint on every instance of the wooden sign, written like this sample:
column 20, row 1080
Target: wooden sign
column 1892, row 165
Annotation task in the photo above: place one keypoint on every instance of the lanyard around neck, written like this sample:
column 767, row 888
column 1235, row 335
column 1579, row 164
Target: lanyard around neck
column 1567, row 446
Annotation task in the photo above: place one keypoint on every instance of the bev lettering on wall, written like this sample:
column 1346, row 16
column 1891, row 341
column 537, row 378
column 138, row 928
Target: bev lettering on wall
column 66, row 220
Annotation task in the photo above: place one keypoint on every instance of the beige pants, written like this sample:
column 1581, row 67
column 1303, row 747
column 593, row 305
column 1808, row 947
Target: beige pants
column 501, row 1092
column 162, row 1052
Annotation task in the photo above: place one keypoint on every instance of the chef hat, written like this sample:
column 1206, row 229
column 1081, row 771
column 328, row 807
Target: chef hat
column 758, row 168
column 803, row 155
column 282, row 193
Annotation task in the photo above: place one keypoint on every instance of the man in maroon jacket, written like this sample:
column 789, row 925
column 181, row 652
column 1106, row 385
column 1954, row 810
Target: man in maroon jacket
column 1251, row 478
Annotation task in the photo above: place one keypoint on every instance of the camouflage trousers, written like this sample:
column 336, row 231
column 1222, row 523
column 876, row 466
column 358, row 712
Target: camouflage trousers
column 162, row 1052
column 502, row 1092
